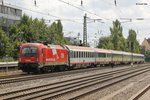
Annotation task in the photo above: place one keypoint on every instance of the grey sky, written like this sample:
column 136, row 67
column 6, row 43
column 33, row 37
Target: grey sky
column 104, row 9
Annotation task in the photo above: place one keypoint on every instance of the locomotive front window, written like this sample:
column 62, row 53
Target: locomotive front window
column 29, row 51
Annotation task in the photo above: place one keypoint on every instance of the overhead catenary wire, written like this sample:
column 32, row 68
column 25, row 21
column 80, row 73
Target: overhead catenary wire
column 84, row 10
column 66, row 19
column 42, row 13
column 127, row 19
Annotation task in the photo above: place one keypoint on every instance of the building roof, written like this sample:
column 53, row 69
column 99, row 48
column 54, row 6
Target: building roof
column 146, row 44
column 148, row 40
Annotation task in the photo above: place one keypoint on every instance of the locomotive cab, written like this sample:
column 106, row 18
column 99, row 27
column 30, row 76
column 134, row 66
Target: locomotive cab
column 29, row 60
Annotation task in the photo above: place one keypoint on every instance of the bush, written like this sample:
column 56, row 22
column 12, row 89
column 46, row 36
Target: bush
column 7, row 59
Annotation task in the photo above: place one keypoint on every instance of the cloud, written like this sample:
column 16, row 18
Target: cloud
column 104, row 9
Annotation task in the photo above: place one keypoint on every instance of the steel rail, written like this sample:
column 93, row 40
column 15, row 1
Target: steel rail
column 106, row 79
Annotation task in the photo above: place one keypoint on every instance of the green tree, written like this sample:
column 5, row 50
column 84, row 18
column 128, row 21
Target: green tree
column 132, row 42
column 6, row 47
column 60, row 27
column 105, row 43
column 35, row 30
column 119, row 42
column 55, row 34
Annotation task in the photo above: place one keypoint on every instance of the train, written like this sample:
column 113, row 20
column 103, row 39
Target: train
column 37, row 57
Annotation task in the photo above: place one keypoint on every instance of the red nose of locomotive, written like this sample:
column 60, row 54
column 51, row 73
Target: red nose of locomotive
column 28, row 59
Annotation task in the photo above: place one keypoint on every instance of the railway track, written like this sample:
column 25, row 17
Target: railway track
column 13, row 76
column 21, row 78
column 71, row 89
column 141, row 93
column 26, row 77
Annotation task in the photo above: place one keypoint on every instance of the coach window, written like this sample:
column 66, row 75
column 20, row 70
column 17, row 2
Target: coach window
column 86, row 54
column 104, row 54
column 100, row 55
column 83, row 54
column 71, row 53
column 74, row 54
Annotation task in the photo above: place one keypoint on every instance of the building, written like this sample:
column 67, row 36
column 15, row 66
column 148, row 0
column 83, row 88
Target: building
column 146, row 44
column 73, row 40
column 8, row 16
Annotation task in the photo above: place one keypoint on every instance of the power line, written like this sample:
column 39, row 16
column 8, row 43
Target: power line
column 42, row 13
column 84, row 10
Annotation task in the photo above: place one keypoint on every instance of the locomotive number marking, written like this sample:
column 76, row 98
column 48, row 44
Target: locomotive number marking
column 50, row 59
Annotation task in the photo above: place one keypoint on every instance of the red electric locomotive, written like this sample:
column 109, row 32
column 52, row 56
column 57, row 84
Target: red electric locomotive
column 36, row 57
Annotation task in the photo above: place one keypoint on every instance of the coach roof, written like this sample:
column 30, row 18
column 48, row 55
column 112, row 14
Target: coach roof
column 79, row 48
column 102, row 50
